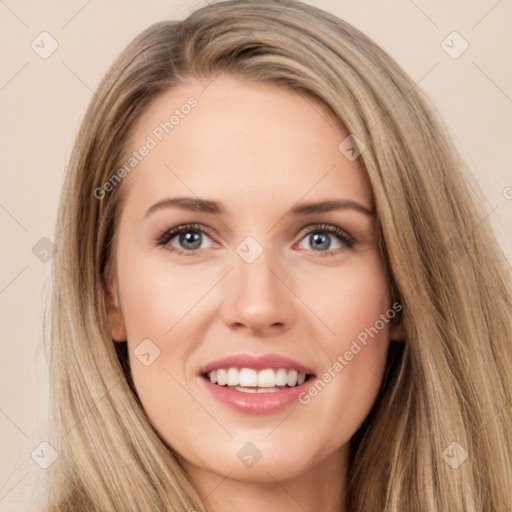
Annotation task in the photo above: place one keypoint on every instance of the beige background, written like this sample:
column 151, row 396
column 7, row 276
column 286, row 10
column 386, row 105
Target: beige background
column 43, row 100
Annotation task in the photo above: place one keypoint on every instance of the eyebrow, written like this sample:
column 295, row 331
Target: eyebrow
column 214, row 207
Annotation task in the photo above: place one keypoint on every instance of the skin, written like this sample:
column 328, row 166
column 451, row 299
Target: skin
column 259, row 150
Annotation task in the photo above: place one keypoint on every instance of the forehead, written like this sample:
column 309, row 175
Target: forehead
column 243, row 143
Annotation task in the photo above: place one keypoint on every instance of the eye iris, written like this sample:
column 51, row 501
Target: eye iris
column 191, row 238
column 322, row 241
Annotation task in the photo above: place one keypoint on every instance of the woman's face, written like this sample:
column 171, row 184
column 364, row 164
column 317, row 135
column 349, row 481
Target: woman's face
column 261, row 273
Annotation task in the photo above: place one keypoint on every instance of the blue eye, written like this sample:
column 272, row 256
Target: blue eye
column 320, row 238
column 190, row 237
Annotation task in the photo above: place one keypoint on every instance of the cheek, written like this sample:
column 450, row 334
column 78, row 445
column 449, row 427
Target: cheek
column 359, row 312
column 364, row 323
column 361, row 315
column 159, row 294
column 161, row 308
column 350, row 300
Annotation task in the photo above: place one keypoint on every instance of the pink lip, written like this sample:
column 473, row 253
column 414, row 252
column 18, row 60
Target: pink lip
column 256, row 362
column 256, row 403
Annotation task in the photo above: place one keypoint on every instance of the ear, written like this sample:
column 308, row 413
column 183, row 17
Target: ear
column 114, row 314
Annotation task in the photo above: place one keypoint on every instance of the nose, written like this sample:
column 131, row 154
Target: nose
column 257, row 297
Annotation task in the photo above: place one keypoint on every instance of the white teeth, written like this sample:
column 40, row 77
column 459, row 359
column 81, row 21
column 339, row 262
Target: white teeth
column 251, row 378
column 246, row 377
column 266, row 379
column 255, row 390
column 222, row 378
column 292, row 377
column 281, row 377
column 233, row 379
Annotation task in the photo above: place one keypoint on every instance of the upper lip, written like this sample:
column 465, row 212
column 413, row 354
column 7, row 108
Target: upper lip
column 257, row 363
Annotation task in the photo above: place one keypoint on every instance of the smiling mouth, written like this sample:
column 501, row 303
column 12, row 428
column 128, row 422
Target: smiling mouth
column 249, row 380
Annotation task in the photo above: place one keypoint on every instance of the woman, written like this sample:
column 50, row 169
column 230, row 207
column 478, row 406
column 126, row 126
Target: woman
column 269, row 291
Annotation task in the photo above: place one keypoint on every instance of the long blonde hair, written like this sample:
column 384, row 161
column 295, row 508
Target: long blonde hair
column 450, row 383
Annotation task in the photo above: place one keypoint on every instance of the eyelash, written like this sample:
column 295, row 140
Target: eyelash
column 167, row 235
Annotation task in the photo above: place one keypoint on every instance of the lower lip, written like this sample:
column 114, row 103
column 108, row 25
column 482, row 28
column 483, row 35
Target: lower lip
column 256, row 403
